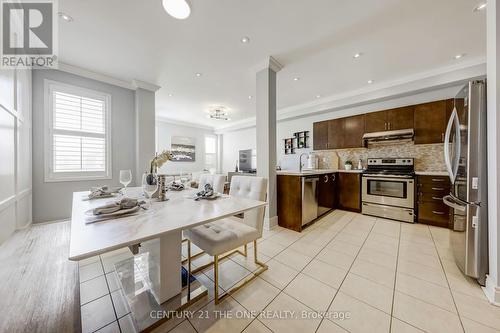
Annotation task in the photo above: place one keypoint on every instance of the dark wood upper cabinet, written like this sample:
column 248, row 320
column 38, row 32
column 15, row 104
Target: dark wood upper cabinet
column 430, row 122
column 400, row 118
column 354, row 128
column 320, row 135
column 349, row 191
column 336, row 135
column 376, row 122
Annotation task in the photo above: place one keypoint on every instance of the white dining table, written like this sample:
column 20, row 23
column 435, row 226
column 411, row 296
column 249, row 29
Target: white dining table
column 163, row 221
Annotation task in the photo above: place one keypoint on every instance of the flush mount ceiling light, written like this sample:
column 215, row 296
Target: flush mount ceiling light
column 178, row 9
column 250, row 97
column 65, row 17
column 370, row 81
column 479, row 7
column 245, row 40
column 357, row 55
column 318, row 96
column 459, row 56
column 218, row 113
column 198, row 74
column 296, row 78
column 169, row 95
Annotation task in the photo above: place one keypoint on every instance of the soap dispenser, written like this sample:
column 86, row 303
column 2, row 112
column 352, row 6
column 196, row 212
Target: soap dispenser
column 360, row 164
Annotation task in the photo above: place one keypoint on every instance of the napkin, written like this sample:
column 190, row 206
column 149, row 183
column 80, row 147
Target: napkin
column 102, row 191
column 125, row 203
column 208, row 191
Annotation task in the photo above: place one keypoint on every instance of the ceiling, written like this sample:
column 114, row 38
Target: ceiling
column 314, row 40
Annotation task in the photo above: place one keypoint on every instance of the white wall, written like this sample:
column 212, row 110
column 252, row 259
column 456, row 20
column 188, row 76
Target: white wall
column 246, row 138
column 15, row 151
column 164, row 133
column 52, row 201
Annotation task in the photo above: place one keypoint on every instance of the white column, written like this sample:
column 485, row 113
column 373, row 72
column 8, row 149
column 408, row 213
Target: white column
column 266, row 133
column 144, row 127
column 220, row 152
column 170, row 266
column 493, row 103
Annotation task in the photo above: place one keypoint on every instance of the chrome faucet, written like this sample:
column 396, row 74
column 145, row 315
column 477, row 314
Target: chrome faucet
column 300, row 161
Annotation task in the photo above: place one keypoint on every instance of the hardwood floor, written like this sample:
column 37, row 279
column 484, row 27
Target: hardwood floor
column 40, row 286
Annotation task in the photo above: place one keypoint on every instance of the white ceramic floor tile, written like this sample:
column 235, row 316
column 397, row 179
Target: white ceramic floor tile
column 229, row 274
column 379, row 258
column 90, row 271
column 420, row 258
column 374, row 272
column 425, row 316
column 110, row 328
column 335, row 258
column 256, row 295
column 350, row 238
column 368, row 291
column 362, row 317
column 270, row 248
column 216, row 321
column 343, row 247
column 284, row 315
column 113, row 282
column 120, row 302
column 465, row 285
column 294, row 259
column 326, row 273
column 399, row 326
column 383, row 239
column 126, row 324
column 329, row 327
column 425, row 291
column 311, row 292
column 286, row 238
column 471, row 326
column 93, row 289
column 477, row 309
column 278, row 274
column 306, row 247
column 257, row 327
column 97, row 314
column 423, row 272
column 248, row 262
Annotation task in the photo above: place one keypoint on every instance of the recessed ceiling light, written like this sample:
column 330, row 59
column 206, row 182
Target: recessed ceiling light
column 296, row 78
column 169, row 95
column 318, row 96
column 65, row 17
column 370, row 81
column 198, row 74
column 479, row 7
column 245, row 40
column 249, row 96
column 357, row 55
column 459, row 56
column 178, row 9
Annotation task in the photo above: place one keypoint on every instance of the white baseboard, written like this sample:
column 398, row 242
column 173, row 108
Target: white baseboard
column 492, row 291
column 271, row 222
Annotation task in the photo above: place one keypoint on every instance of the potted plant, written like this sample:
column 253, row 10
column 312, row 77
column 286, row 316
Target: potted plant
column 348, row 165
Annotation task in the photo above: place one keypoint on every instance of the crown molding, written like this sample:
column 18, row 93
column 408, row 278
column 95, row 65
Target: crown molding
column 182, row 123
column 137, row 84
column 423, row 82
column 269, row 63
column 132, row 85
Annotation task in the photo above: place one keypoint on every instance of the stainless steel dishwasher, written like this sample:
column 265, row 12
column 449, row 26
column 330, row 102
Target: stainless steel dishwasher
column 309, row 198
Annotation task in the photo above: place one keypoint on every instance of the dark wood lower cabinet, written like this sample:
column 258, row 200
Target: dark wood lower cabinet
column 327, row 190
column 430, row 206
column 349, row 191
column 289, row 202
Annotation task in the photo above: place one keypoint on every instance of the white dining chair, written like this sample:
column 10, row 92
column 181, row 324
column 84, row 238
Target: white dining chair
column 217, row 182
column 224, row 237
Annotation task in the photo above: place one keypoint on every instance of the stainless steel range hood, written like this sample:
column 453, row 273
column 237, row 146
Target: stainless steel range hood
column 388, row 137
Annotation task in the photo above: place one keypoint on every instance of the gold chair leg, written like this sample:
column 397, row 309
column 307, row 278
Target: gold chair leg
column 245, row 250
column 255, row 251
column 189, row 268
column 216, row 279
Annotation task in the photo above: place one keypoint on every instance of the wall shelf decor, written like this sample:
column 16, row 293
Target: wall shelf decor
column 300, row 140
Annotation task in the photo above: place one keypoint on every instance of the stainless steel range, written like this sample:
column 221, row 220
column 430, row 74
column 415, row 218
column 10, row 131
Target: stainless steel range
column 388, row 189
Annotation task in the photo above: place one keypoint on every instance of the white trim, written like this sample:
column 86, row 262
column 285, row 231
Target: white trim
column 182, row 123
column 49, row 176
column 271, row 222
column 4, row 204
column 424, row 82
column 492, row 291
column 270, row 63
column 144, row 85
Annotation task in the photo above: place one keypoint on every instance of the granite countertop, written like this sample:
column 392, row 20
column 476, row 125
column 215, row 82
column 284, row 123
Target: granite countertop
column 431, row 173
column 313, row 172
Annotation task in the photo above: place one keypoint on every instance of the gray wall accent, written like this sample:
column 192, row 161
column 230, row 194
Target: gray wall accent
column 52, row 201
column 145, row 131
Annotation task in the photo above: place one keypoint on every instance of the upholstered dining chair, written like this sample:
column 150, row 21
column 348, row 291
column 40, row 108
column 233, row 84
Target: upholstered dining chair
column 224, row 237
column 217, row 182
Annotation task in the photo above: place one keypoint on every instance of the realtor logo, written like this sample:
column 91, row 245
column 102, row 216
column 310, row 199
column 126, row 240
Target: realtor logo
column 29, row 33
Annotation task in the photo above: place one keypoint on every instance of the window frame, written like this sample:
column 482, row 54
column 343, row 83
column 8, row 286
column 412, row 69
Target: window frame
column 205, row 165
column 50, row 176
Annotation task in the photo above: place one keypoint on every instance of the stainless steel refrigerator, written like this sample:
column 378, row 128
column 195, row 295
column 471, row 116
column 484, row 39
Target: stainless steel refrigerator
column 465, row 159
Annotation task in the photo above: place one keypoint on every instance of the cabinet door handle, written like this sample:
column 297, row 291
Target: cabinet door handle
column 385, row 126
column 333, row 177
column 438, row 189
column 325, row 178
column 437, row 180
column 437, row 213
column 442, row 137
column 389, row 126
column 437, row 198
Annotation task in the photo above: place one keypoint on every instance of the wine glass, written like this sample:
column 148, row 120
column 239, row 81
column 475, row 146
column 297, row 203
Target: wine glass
column 184, row 178
column 125, row 179
column 149, row 185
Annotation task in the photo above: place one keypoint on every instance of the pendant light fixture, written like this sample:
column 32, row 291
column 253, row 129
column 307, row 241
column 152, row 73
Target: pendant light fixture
column 178, row 9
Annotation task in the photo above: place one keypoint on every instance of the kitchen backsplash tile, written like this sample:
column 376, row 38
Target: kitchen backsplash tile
column 428, row 157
